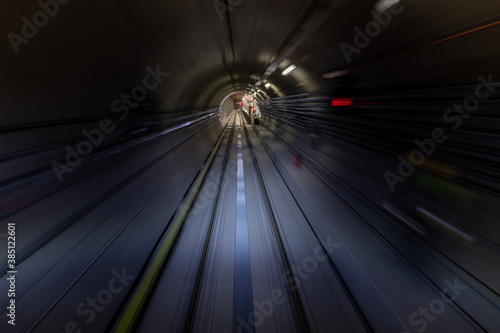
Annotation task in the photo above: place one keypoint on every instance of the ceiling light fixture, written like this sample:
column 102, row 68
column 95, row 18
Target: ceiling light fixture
column 289, row 70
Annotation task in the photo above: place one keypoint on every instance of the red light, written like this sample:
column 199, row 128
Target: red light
column 241, row 103
column 341, row 101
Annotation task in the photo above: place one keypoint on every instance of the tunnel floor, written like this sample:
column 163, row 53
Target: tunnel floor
column 264, row 239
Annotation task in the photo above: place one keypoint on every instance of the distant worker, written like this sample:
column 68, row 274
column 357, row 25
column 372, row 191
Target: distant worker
column 256, row 109
column 256, row 114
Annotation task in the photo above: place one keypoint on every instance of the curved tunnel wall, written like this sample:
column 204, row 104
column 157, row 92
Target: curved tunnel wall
column 124, row 75
column 85, row 57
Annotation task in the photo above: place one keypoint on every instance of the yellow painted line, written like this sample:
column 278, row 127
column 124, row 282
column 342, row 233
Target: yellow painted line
column 129, row 320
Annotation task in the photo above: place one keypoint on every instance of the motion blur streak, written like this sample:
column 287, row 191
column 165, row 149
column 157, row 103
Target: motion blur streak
column 250, row 166
column 341, row 101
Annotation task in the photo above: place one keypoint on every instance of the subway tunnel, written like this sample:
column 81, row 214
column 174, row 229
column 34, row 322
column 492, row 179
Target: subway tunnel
column 141, row 192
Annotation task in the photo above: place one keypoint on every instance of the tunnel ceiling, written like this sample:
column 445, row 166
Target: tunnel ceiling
column 84, row 55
